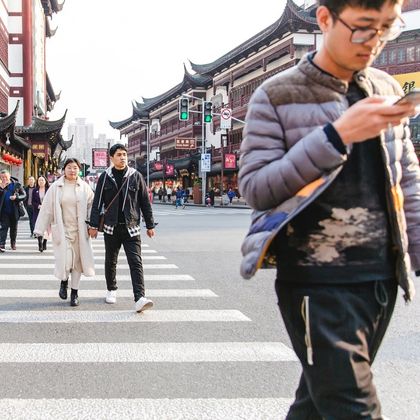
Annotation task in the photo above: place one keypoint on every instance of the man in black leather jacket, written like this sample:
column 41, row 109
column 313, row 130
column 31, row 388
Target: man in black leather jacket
column 122, row 195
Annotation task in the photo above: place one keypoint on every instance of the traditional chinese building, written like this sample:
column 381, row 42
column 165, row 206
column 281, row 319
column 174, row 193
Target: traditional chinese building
column 47, row 145
column 401, row 58
column 229, row 81
column 26, row 92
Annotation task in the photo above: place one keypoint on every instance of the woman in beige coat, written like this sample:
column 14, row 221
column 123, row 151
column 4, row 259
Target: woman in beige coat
column 65, row 210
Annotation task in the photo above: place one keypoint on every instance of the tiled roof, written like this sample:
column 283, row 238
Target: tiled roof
column 292, row 12
column 141, row 110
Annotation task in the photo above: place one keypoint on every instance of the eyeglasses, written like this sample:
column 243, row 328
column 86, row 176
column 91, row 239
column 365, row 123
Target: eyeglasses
column 362, row 35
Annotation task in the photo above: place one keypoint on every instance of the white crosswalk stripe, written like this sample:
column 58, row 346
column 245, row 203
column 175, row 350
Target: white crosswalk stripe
column 42, row 293
column 171, row 315
column 145, row 408
column 144, row 352
column 28, row 288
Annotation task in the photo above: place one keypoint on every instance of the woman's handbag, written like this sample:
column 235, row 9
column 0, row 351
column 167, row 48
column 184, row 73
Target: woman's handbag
column 101, row 222
column 21, row 209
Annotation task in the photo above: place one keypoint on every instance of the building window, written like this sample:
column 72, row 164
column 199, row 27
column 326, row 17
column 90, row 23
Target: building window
column 392, row 56
column 382, row 58
column 410, row 54
column 401, row 55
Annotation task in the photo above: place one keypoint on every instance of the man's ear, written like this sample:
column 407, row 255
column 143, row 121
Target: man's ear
column 324, row 18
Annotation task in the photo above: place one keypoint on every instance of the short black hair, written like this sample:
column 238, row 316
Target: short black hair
column 337, row 6
column 72, row 160
column 116, row 147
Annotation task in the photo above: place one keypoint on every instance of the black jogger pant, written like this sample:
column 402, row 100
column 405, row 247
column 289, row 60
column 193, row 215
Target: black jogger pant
column 132, row 248
column 343, row 326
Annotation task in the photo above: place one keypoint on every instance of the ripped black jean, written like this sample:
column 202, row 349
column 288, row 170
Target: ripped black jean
column 336, row 331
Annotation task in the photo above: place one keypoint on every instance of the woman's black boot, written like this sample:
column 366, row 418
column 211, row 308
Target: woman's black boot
column 40, row 244
column 44, row 245
column 74, row 298
column 63, row 289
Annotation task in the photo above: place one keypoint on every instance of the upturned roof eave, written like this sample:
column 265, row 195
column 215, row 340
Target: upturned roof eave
column 276, row 29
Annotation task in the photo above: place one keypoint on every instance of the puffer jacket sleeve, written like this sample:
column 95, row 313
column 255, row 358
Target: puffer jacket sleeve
column 410, row 184
column 270, row 173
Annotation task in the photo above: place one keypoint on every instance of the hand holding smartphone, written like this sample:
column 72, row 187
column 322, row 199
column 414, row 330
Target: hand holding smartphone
column 412, row 97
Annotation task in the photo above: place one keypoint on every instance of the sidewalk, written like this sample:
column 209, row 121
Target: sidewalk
column 237, row 203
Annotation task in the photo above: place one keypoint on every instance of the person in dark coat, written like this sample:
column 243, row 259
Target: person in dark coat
column 11, row 194
column 29, row 189
column 37, row 198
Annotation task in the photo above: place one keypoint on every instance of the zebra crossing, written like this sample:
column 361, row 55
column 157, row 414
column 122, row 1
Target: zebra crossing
column 93, row 338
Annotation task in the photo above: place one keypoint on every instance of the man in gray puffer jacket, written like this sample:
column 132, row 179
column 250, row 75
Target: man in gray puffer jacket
column 328, row 165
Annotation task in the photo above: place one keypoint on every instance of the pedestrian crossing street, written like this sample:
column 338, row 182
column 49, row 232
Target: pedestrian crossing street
column 103, row 343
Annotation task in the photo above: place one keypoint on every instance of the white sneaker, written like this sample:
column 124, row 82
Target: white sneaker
column 143, row 304
column 111, row 296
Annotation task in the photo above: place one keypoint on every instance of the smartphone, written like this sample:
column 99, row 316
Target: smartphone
column 413, row 96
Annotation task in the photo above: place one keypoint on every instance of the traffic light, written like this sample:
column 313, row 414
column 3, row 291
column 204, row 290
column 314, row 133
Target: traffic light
column 208, row 116
column 183, row 109
column 84, row 170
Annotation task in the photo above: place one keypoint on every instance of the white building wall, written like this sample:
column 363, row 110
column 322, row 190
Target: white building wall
column 14, row 24
column 14, row 6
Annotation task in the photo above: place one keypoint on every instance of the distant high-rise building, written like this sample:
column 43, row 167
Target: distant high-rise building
column 101, row 142
column 83, row 140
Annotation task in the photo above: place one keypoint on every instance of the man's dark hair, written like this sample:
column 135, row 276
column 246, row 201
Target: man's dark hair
column 337, row 6
column 71, row 160
column 116, row 147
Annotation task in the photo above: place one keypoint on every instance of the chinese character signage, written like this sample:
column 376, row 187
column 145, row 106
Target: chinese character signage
column 408, row 81
column 170, row 170
column 40, row 149
column 230, row 161
column 185, row 143
column 99, row 158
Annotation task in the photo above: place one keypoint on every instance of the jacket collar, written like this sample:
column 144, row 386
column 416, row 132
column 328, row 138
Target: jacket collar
column 319, row 76
column 129, row 172
column 60, row 181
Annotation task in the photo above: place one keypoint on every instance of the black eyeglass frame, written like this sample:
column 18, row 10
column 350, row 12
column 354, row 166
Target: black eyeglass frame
column 374, row 31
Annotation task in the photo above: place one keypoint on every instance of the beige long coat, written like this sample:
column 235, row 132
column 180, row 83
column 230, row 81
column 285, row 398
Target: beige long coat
column 50, row 216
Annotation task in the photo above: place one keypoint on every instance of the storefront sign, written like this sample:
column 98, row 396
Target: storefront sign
column 185, row 143
column 158, row 166
column 408, row 81
column 40, row 150
column 99, row 158
column 169, row 170
column 230, row 161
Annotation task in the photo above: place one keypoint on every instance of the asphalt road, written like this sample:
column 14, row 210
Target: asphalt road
column 213, row 347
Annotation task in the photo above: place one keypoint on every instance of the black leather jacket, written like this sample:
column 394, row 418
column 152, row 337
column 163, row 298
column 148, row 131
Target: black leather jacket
column 136, row 200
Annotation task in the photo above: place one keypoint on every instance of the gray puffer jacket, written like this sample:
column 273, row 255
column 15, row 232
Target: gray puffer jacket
column 287, row 161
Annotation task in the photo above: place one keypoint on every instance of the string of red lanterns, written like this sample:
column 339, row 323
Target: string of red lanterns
column 12, row 159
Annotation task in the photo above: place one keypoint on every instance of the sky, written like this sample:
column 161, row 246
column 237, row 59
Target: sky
column 107, row 53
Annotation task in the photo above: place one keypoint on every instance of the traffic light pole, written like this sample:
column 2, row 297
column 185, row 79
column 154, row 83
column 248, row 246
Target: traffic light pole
column 203, row 147
column 203, row 150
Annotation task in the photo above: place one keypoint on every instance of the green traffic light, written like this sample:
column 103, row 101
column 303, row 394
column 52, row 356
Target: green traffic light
column 184, row 115
column 207, row 118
